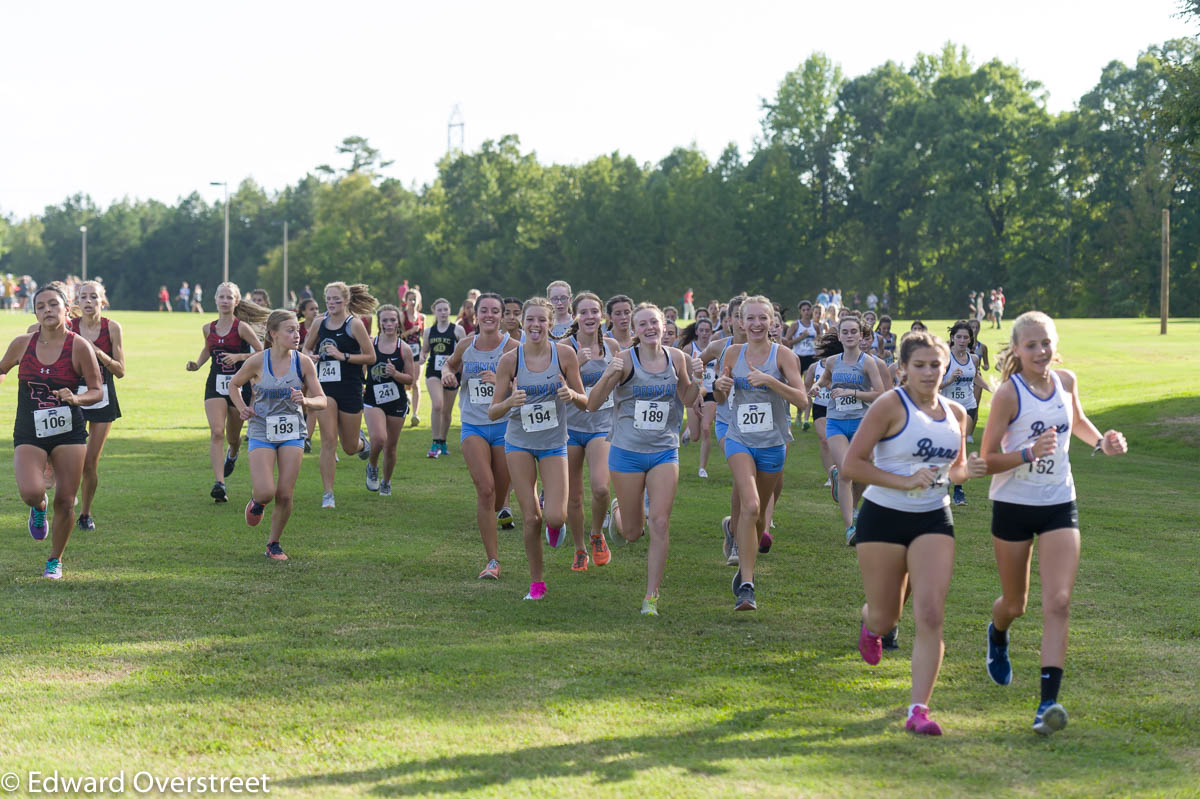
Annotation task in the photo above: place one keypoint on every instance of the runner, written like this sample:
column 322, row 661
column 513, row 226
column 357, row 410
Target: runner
column 1026, row 444
column 439, row 344
column 532, row 386
column 701, row 415
column 802, row 337
column 587, row 433
column 511, row 323
column 229, row 340
column 412, row 325
column 670, row 333
column 52, row 362
column 759, row 380
column 282, row 379
column 650, row 386
column 559, row 294
column 306, row 313
column 466, row 314
column 104, row 334
column 619, row 310
column 827, row 346
column 887, row 340
column 980, row 351
column 960, row 381
column 909, row 443
column 342, row 346
column 385, row 399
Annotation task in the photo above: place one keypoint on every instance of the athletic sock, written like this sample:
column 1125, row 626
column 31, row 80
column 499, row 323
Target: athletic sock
column 914, row 706
column 999, row 637
column 1051, row 681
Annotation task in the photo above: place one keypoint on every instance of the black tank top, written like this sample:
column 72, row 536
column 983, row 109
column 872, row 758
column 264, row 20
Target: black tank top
column 377, row 374
column 36, row 385
column 347, row 344
column 440, row 344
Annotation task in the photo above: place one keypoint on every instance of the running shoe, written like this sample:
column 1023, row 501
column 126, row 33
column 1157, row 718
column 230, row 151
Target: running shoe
column 275, row 552
column 416, row 420
column 53, row 570
column 804, row 428
column 230, row 463
column 686, row 438
column 37, row 522
column 491, row 571
column 385, row 488
column 737, row 582
column 601, row 554
column 364, row 446
column 372, row 478
column 536, row 591
column 920, row 723
column 607, row 520
column 727, row 547
column 998, row 666
column 733, row 559
column 614, row 535
column 254, row 512
column 891, row 641
column 505, row 517
column 870, row 646
column 833, row 482
column 327, row 500
column 828, row 483
column 703, row 473
column 1050, row 718
column 764, row 546
column 308, row 446
column 580, row 563
column 218, row 492
column 442, row 447
column 745, row 598
column 970, row 439
column 86, row 523
column 960, row 496
column 554, row 536
column 542, row 498
column 650, row 606
column 851, row 533
column 433, row 451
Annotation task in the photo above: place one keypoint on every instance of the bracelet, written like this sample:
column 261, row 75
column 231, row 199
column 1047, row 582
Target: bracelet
column 1099, row 446
column 1027, row 455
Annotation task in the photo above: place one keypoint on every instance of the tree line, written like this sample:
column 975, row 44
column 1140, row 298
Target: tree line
column 928, row 180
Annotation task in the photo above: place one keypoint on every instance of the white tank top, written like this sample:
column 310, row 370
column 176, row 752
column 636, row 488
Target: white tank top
column 820, row 396
column 962, row 388
column 1046, row 481
column 923, row 443
column 808, row 345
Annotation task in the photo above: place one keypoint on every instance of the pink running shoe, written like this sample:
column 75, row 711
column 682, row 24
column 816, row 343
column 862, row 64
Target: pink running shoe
column 870, row 646
column 920, row 723
column 536, row 590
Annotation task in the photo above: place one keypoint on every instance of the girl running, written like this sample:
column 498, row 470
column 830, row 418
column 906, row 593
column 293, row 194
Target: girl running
column 482, row 440
column 670, row 333
column 619, row 310
column 827, row 346
column 385, row 400
column 716, row 351
column 105, row 336
column 306, row 312
column 887, row 340
column 802, row 338
column 559, row 294
column 701, row 415
column 49, row 429
column 511, row 323
column 910, row 443
column 587, row 432
column 961, row 381
column 533, row 384
column 412, row 326
column 466, row 315
column 440, row 341
column 760, row 380
column 854, row 382
column 342, row 348
column 1026, row 444
column 285, row 386
column 980, row 351
column 229, row 340
column 650, row 385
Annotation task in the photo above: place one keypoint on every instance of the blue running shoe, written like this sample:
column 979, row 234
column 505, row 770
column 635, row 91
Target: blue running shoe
column 851, row 534
column 37, row 523
column 833, row 482
column 998, row 667
column 1051, row 717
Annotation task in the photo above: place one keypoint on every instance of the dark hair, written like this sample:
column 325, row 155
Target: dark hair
column 689, row 335
column 613, row 301
column 961, row 324
column 491, row 295
column 509, row 300
column 829, row 344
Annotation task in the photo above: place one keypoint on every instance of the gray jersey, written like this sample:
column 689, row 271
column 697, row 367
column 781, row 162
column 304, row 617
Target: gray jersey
column 474, row 395
column 648, row 412
column 276, row 417
column 540, row 422
column 600, row 420
column 852, row 376
column 760, row 416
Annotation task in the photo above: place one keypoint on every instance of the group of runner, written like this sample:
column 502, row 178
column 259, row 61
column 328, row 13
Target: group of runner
column 547, row 385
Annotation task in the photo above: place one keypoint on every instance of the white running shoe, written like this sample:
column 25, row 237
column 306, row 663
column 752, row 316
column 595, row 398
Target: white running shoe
column 327, row 500
column 970, row 439
column 828, row 483
column 686, row 438
column 703, row 473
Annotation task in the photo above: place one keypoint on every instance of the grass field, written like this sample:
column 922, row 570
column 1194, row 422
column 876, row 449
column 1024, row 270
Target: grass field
column 374, row 663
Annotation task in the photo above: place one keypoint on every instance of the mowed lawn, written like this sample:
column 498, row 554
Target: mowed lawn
column 375, row 663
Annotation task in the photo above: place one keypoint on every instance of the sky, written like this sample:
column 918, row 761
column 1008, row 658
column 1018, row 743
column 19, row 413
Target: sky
column 157, row 99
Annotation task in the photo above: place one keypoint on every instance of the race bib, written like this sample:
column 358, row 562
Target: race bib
column 959, row 392
column 103, row 403
column 755, row 417
column 1050, row 470
column 820, row 395
column 386, row 392
column 710, row 376
column 479, row 392
column 222, row 384
column 848, row 403
column 650, row 415
column 52, row 421
column 283, row 427
column 416, row 350
column 439, row 361
column 329, row 371
column 939, row 481
column 539, row 416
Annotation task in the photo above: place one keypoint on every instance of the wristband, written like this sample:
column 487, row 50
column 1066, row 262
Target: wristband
column 1099, row 447
column 1027, row 455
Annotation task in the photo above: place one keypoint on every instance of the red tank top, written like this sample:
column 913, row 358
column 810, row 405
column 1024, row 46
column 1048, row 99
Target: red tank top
column 230, row 342
column 411, row 331
column 103, row 341
column 43, row 378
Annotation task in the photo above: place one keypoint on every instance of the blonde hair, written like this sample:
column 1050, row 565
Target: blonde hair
column 562, row 283
column 759, row 298
column 1009, row 360
column 439, row 300
column 536, row 302
column 274, row 320
column 645, row 306
column 359, row 301
column 99, row 290
column 381, row 310
column 244, row 310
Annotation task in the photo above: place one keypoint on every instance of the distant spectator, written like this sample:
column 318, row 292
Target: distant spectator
column 292, row 302
column 884, row 302
column 872, row 302
column 689, row 307
column 307, row 293
column 823, row 297
column 184, row 296
column 164, row 299
column 198, row 298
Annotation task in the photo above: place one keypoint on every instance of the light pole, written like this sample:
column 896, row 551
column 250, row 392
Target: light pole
column 283, row 302
column 83, row 230
column 225, row 185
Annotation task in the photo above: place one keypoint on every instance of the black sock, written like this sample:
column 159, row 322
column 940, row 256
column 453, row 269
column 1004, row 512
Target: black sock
column 999, row 637
column 1051, row 681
